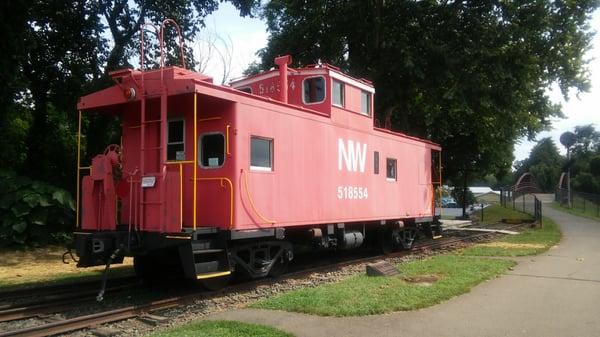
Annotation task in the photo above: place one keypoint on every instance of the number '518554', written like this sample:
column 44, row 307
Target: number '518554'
column 352, row 192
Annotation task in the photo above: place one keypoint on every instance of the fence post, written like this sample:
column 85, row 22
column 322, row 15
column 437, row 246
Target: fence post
column 541, row 215
column 481, row 212
column 584, row 204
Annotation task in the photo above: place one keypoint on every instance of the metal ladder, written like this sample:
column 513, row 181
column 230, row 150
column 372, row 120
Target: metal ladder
column 162, row 134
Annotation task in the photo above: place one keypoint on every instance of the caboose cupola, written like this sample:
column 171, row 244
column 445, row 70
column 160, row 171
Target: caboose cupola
column 320, row 88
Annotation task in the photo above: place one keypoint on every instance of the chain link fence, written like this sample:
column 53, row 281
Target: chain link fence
column 522, row 199
column 587, row 203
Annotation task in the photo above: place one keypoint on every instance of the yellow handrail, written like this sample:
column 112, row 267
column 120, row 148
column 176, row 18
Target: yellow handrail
column 195, row 156
column 221, row 179
column 227, row 139
column 78, row 167
column 181, row 195
column 252, row 202
column 440, row 165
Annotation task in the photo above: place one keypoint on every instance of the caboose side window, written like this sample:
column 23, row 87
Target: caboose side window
column 261, row 154
column 337, row 93
column 212, row 150
column 365, row 103
column 376, row 162
column 175, row 137
column 391, row 169
column 314, row 89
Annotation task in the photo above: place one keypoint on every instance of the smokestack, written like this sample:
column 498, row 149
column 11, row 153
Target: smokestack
column 282, row 62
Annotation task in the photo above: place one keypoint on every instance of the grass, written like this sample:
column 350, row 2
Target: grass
column 590, row 211
column 34, row 267
column 65, row 278
column 495, row 213
column 528, row 242
column 364, row 295
column 221, row 329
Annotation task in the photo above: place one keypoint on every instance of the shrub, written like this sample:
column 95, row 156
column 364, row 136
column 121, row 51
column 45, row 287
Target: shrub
column 459, row 196
column 32, row 212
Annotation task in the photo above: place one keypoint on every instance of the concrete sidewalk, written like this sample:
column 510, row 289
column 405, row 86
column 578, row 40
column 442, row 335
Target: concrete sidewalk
column 553, row 294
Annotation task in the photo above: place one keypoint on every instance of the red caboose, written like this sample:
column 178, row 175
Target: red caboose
column 215, row 178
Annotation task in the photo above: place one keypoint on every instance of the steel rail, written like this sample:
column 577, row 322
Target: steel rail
column 57, row 289
column 81, row 322
column 54, row 304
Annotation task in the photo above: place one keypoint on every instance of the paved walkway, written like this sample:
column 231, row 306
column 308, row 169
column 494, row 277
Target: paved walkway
column 553, row 294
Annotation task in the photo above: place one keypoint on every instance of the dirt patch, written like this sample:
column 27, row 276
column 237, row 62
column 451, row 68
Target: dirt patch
column 422, row 280
column 39, row 264
column 512, row 245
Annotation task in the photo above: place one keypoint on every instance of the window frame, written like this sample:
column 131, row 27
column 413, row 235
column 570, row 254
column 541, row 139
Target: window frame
column 271, row 157
column 200, row 161
column 369, row 102
column 169, row 121
column 324, row 90
column 387, row 173
column 342, row 93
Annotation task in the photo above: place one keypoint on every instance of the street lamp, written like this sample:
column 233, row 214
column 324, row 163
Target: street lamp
column 567, row 139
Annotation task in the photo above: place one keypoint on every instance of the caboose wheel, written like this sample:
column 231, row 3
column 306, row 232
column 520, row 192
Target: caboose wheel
column 279, row 267
column 215, row 283
column 405, row 238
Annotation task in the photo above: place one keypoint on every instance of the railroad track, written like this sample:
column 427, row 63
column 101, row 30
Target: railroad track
column 59, row 289
column 81, row 322
column 57, row 303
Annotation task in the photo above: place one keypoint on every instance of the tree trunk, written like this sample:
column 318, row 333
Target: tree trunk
column 39, row 136
column 465, row 188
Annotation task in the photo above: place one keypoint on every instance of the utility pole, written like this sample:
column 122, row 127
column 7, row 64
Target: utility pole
column 567, row 139
column 569, row 178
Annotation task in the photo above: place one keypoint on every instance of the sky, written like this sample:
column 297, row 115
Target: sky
column 248, row 35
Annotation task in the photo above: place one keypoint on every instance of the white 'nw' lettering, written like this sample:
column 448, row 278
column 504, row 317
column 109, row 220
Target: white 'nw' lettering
column 354, row 155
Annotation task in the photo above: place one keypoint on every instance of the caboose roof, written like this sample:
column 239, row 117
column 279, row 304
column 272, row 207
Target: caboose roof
column 126, row 79
column 180, row 81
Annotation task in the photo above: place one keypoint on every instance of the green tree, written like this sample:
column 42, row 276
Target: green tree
column 62, row 40
column 585, row 159
column 470, row 75
column 595, row 166
column 588, row 140
column 56, row 51
column 544, row 162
